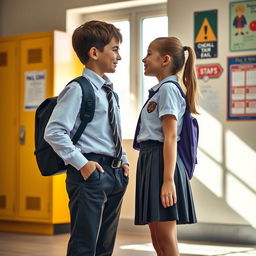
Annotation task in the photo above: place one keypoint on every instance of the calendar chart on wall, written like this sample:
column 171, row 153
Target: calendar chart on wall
column 242, row 87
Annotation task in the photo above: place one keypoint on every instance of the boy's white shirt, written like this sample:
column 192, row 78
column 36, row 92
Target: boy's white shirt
column 64, row 121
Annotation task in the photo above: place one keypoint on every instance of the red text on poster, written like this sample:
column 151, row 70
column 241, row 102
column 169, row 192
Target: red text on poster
column 206, row 71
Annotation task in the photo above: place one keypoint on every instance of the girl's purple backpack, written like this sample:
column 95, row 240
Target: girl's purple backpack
column 188, row 143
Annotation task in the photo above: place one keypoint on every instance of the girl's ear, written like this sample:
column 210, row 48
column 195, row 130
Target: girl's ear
column 93, row 53
column 166, row 60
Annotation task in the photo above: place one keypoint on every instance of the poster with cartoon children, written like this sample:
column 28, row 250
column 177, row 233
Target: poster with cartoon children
column 242, row 25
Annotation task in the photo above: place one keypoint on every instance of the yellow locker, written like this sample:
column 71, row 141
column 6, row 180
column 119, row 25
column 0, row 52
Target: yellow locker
column 35, row 61
column 37, row 66
column 9, row 123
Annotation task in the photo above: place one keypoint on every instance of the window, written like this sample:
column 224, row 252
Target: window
column 151, row 29
column 139, row 26
column 121, row 78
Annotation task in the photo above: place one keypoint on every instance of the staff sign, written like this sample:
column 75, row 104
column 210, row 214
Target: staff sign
column 208, row 71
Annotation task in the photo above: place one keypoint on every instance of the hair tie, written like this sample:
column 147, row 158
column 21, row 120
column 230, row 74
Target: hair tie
column 185, row 48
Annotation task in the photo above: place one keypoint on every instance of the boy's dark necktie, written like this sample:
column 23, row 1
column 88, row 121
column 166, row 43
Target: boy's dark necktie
column 112, row 121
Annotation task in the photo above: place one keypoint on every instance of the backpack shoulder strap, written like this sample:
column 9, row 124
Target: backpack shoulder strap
column 178, row 85
column 87, row 105
column 181, row 91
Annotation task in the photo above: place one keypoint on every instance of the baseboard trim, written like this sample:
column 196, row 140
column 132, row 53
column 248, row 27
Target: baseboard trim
column 34, row 228
column 203, row 232
column 61, row 228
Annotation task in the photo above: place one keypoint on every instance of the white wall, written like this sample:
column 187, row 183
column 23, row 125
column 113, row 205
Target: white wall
column 224, row 187
column 28, row 16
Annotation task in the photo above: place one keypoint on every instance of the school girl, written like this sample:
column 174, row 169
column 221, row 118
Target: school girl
column 163, row 193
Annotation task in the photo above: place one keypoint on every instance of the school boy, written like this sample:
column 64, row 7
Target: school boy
column 98, row 170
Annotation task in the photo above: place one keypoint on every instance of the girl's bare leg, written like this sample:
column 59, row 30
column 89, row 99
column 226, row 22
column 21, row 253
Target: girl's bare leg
column 164, row 238
column 152, row 228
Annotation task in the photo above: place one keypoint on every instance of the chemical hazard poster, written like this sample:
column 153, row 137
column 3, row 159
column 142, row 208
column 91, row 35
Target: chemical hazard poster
column 205, row 34
column 242, row 87
column 242, row 25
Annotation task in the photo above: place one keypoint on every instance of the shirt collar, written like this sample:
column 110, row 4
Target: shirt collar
column 168, row 78
column 94, row 78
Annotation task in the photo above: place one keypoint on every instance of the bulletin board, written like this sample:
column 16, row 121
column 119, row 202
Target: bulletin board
column 242, row 23
column 241, row 87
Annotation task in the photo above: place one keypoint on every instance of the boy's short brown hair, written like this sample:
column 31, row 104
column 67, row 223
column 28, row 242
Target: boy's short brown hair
column 93, row 34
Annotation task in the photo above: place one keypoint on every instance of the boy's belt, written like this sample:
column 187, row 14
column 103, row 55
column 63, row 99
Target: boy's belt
column 116, row 163
column 103, row 159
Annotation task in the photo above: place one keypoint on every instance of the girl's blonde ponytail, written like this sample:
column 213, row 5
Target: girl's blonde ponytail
column 190, row 81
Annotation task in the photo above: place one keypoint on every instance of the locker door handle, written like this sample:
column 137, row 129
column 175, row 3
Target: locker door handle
column 22, row 134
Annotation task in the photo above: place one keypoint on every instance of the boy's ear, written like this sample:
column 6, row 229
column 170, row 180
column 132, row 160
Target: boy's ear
column 93, row 53
column 166, row 60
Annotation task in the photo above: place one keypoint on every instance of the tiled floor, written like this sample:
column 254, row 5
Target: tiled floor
column 12, row 244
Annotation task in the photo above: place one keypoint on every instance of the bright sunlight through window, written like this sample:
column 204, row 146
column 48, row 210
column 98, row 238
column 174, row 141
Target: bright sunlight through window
column 151, row 29
column 121, row 78
column 196, row 249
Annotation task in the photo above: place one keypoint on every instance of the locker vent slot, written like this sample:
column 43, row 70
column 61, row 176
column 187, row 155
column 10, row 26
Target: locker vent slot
column 2, row 202
column 3, row 58
column 33, row 203
column 34, row 56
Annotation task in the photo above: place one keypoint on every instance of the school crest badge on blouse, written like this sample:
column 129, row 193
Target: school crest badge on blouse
column 151, row 106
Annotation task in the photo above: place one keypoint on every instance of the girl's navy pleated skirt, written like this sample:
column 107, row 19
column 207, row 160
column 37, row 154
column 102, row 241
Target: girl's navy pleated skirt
column 149, row 181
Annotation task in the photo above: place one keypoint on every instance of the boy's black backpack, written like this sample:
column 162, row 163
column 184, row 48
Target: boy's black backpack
column 49, row 163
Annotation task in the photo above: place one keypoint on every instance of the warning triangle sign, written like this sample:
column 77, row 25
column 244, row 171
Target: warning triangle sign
column 205, row 33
